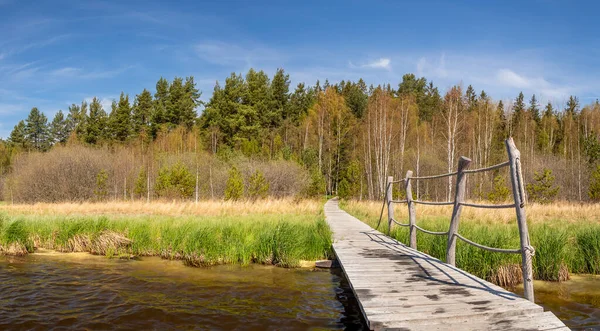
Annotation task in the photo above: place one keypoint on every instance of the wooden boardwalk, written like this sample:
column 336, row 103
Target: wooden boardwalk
column 403, row 289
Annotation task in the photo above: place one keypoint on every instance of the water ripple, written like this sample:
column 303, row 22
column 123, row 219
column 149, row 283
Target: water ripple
column 60, row 292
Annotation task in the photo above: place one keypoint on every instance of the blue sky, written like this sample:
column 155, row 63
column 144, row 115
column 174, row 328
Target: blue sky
column 55, row 53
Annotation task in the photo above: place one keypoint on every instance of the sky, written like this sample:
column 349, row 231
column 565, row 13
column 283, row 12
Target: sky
column 56, row 53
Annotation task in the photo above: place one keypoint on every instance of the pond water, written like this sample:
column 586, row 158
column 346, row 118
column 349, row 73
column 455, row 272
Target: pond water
column 576, row 302
column 80, row 291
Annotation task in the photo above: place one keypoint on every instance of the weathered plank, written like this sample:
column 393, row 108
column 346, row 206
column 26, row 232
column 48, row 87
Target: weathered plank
column 400, row 288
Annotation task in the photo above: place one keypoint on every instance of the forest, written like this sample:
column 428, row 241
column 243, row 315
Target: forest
column 258, row 136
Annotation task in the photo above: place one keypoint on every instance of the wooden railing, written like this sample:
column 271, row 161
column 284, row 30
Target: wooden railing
column 514, row 162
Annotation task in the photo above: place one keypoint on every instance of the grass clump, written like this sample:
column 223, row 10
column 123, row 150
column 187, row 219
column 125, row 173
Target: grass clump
column 14, row 237
column 588, row 249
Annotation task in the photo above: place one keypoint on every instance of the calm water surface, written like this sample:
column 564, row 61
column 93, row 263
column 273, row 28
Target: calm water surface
column 576, row 302
column 80, row 291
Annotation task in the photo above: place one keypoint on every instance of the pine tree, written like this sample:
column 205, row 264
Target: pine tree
column 549, row 125
column 234, row 189
column 594, row 189
column 101, row 191
column 96, row 123
column 159, row 110
column 500, row 129
column 344, row 189
column 142, row 110
column 182, row 180
column 141, row 183
column 176, row 98
column 356, row 98
column 189, row 104
column 542, row 190
column 534, row 109
column 518, row 110
column 258, row 95
column 76, row 119
column 17, row 136
column 280, row 87
column 120, row 121
column 572, row 105
column 354, row 177
column 175, row 182
column 500, row 192
column 226, row 110
column 471, row 98
column 316, row 186
column 300, row 101
column 59, row 128
column 36, row 130
column 592, row 148
column 258, row 187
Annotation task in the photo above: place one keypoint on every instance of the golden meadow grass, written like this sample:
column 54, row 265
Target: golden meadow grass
column 566, row 237
column 557, row 212
column 175, row 208
column 280, row 232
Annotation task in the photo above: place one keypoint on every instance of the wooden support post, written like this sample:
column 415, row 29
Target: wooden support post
column 388, row 200
column 459, row 197
column 527, row 251
column 412, row 216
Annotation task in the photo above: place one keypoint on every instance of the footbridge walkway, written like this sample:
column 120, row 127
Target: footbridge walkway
column 400, row 288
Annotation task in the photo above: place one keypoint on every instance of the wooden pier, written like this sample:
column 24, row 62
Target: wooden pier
column 399, row 288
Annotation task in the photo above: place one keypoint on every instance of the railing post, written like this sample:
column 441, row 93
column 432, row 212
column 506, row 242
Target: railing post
column 412, row 218
column 459, row 197
column 527, row 251
column 390, row 205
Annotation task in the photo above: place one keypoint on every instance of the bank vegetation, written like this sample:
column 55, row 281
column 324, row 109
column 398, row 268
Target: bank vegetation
column 278, row 232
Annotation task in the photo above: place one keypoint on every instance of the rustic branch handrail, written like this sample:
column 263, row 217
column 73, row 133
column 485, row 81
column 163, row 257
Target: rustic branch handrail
column 475, row 205
column 516, row 176
column 494, row 167
column 431, row 232
column 487, row 248
column 397, row 181
column 401, row 224
column 435, row 176
column 434, row 203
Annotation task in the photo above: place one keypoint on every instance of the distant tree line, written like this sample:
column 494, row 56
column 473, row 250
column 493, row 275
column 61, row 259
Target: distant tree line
column 347, row 136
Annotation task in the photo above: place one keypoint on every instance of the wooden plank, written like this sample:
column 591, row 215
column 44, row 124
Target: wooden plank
column 400, row 288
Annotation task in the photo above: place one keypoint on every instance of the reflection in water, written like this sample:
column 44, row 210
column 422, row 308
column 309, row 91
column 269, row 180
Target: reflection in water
column 576, row 302
column 82, row 291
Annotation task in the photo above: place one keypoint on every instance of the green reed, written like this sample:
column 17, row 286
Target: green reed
column 282, row 240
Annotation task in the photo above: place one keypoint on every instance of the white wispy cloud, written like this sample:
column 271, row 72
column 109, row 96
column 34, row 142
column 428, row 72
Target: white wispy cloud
column 512, row 79
column 65, row 72
column 73, row 72
column 381, row 63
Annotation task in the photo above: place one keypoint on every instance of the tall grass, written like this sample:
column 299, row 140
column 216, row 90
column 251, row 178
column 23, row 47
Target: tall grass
column 231, row 233
column 165, row 208
column 562, row 245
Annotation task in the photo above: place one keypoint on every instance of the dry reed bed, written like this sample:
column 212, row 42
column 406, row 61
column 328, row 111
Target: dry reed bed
column 566, row 237
column 536, row 213
column 174, row 208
